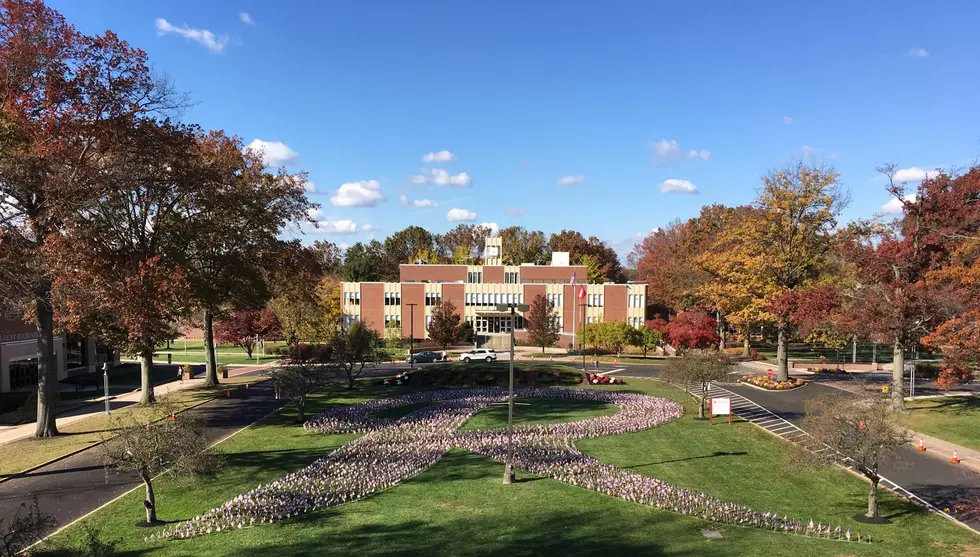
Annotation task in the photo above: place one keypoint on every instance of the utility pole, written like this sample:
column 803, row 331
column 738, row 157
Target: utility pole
column 411, row 336
column 508, row 468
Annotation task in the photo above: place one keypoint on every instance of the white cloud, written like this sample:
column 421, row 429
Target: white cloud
column 677, row 185
column 667, row 151
column 246, row 19
column 918, row 52
column 345, row 226
column 569, row 180
column 310, row 187
column 365, row 193
column 440, row 157
column 493, row 227
column 808, row 153
column 787, row 119
column 274, row 153
column 367, row 228
column 460, row 215
column 440, row 177
column 913, row 174
column 370, row 237
column 421, row 203
column 315, row 213
column 203, row 36
column 515, row 211
column 895, row 205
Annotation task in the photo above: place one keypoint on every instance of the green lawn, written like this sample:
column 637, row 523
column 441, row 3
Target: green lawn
column 460, row 508
column 540, row 411
column 952, row 419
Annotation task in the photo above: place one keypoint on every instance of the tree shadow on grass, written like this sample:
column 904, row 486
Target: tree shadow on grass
column 712, row 455
column 951, row 404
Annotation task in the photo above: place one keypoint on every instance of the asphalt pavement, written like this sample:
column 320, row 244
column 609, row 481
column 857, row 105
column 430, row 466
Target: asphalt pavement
column 77, row 485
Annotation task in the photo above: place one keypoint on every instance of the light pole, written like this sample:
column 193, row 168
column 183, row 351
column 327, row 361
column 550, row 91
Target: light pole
column 508, row 469
column 411, row 335
column 105, row 384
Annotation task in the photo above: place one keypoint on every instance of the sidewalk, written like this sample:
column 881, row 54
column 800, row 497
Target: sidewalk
column 9, row 434
column 969, row 458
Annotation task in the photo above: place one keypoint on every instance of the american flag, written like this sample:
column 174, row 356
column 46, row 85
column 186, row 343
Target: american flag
column 573, row 278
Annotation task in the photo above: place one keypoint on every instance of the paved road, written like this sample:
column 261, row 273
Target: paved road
column 77, row 485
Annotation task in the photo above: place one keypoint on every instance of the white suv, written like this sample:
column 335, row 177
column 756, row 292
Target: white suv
column 479, row 354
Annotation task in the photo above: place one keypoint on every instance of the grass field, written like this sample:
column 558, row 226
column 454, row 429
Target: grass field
column 952, row 419
column 460, row 508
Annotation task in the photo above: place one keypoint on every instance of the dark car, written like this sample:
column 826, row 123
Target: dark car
column 421, row 357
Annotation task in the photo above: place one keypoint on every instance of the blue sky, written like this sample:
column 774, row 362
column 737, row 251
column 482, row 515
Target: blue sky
column 571, row 114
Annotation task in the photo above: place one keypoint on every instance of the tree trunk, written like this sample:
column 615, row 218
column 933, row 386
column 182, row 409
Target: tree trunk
column 898, row 376
column 150, row 503
column 301, row 410
column 146, row 376
column 47, row 368
column 704, row 395
column 782, row 349
column 746, row 347
column 873, row 498
column 721, row 334
column 211, row 366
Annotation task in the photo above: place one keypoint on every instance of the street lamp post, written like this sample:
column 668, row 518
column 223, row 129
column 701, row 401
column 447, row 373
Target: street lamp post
column 508, row 468
column 105, row 384
column 411, row 335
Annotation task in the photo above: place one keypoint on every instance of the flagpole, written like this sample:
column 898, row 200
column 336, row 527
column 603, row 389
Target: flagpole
column 574, row 316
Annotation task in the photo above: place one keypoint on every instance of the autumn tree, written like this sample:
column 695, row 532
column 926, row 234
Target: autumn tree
column 444, row 324
column 302, row 377
column 645, row 338
column 603, row 263
column 175, row 443
column 861, row 433
column 463, row 244
column 362, row 263
column 541, row 322
column 353, row 348
column 330, row 257
column 401, row 248
column 328, row 296
column 699, row 368
column 61, row 95
column 665, row 262
column 799, row 206
column 235, row 219
column 294, row 277
column 244, row 327
column 692, row 329
column 520, row 245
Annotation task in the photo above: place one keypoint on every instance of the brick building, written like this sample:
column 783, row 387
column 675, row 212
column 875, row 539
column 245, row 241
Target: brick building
column 475, row 290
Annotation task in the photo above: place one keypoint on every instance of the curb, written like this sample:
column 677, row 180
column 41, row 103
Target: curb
column 23, row 473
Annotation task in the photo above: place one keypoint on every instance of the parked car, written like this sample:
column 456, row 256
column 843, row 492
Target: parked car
column 421, row 357
column 479, row 354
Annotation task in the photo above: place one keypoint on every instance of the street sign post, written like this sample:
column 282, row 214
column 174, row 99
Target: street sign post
column 720, row 407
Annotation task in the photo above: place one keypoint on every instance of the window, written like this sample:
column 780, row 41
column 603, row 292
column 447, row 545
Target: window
column 393, row 320
column 555, row 299
column 23, row 373
column 75, row 351
column 433, row 298
column 483, row 299
column 428, row 319
column 474, row 277
column 511, row 277
column 354, row 298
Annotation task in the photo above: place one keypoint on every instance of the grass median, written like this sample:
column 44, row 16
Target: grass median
column 952, row 418
column 459, row 507
column 24, row 454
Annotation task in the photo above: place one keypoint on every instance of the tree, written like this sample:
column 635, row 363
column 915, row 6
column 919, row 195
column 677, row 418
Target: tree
column 798, row 207
column 644, row 338
column 692, row 329
column 541, row 322
column 294, row 277
column 466, row 332
column 859, row 432
column 328, row 292
column 354, row 347
column 602, row 260
column 444, row 324
column 242, row 328
column 330, row 256
column 27, row 526
column 401, row 247
column 594, row 272
column 463, row 244
column 362, row 262
column 522, row 246
column 123, row 269
column 302, row 377
column 61, row 95
column 664, row 261
column 699, row 368
column 175, row 443
column 235, row 221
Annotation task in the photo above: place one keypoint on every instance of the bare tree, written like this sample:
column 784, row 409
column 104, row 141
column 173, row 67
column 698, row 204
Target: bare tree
column 353, row 348
column 26, row 527
column 697, row 367
column 861, row 432
column 298, row 379
column 175, row 444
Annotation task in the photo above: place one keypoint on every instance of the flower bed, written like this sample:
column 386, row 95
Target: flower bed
column 768, row 383
column 594, row 379
column 390, row 452
column 833, row 370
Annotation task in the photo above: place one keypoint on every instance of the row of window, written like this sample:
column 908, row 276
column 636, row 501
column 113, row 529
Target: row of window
column 393, row 321
column 433, row 299
column 393, row 298
column 495, row 324
column 353, row 298
column 492, row 299
column 635, row 322
column 635, row 300
column 474, row 277
column 512, row 277
column 555, row 299
column 595, row 300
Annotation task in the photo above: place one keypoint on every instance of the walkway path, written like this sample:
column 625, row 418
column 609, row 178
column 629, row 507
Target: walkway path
column 70, row 488
column 23, row 431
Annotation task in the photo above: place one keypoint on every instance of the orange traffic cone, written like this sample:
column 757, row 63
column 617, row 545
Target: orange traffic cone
column 173, row 416
column 147, row 427
column 922, row 446
column 228, row 393
column 955, row 459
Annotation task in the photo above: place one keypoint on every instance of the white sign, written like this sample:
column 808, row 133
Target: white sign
column 721, row 406
column 492, row 251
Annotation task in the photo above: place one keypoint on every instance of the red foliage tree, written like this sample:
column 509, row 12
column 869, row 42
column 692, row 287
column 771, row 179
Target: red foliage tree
column 692, row 329
column 242, row 328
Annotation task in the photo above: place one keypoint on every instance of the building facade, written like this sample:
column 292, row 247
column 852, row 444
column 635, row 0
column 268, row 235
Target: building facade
column 476, row 290
column 73, row 355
